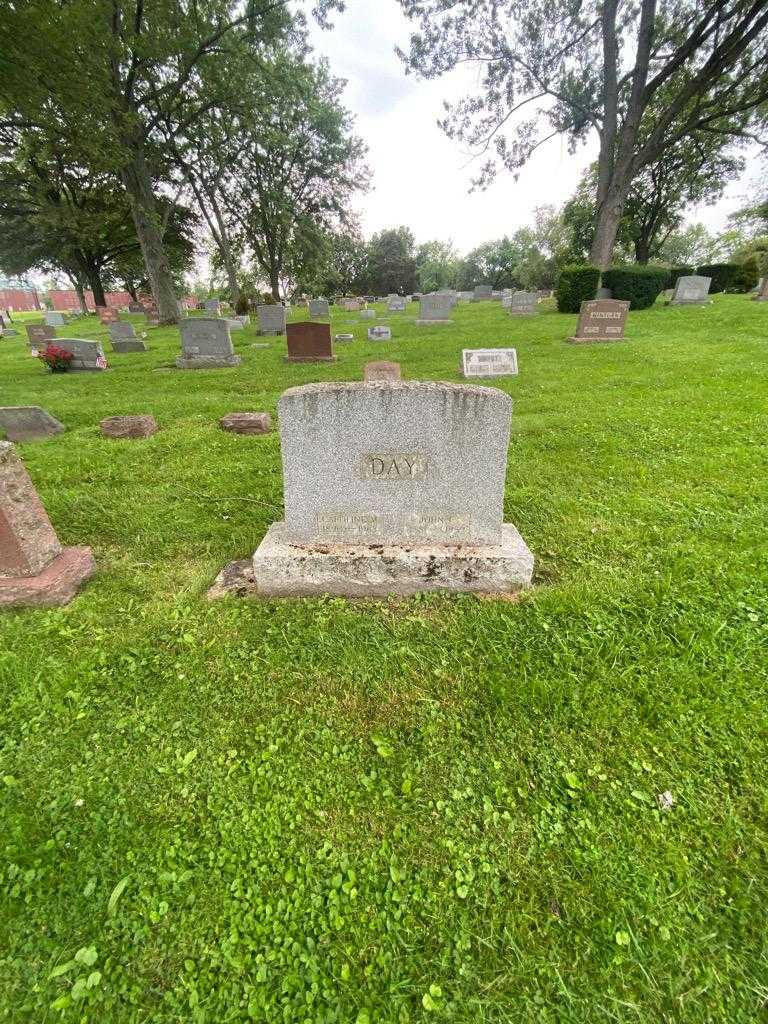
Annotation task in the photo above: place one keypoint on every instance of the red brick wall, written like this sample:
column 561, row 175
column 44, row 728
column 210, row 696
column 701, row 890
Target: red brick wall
column 18, row 300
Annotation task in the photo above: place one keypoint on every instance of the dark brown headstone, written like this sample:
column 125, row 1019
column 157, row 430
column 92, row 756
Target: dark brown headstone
column 108, row 316
column 40, row 335
column 601, row 320
column 309, row 343
column 246, row 422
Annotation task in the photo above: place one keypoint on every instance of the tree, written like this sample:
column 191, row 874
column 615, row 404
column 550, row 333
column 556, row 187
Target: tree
column 108, row 74
column 437, row 265
column 490, row 263
column 392, row 262
column 695, row 245
column 641, row 76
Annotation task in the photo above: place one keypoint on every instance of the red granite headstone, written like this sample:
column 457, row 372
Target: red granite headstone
column 309, row 343
column 601, row 320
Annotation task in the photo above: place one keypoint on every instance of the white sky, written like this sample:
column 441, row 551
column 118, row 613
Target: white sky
column 420, row 177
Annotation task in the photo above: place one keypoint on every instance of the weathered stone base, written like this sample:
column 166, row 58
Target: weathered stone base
column 57, row 584
column 310, row 359
column 122, row 347
column 593, row 341
column 207, row 364
column 280, row 569
column 431, row 323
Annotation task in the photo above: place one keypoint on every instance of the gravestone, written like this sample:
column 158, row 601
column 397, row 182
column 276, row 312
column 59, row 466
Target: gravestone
column 128, row 427
column 40, row 336
column 691, row 291
column 34, row 568
column 762, row 291
column 601, row 320
column 87, row 355
column 379, row 334
column 123, row 338
column 524, row 304
column 395, row 305
column 482, row 293
column 107, row 315
column 344, row 337
column 367, row 314
column 318, row 309
column 246, row 422
column 350, row 305
column 206, row 344
column 271, row 319
column 434, row 309
column 309, row 343
column 381, row 370
column 392, row 487
column 54, row 319
column 234, row 323
column 489, row 362
column 28, row 423
column 135, row 307
column 212, row 305
column 465, row 296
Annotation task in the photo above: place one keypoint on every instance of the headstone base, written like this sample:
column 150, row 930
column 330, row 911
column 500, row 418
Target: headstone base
column 593, row 341
column 207, row 364
column 430, row 323
column 56, row 585
column 310, row 359
column 128, row 346
column 271, row 334
column 281, row 569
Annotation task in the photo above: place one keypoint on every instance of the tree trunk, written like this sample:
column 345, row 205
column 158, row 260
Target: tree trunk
column 274, row 283
column 138, row 184
column 642, row 250
column 608, row 219
column 80, row 292
column 96, row 285
column 226, row 254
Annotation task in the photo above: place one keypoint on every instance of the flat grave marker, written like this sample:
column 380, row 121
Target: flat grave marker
column 489, row 362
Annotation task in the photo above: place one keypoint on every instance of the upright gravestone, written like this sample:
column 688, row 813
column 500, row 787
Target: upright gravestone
column 434, row 309
column 107, row 315
column 367, row 314
column 86, row 355
column 309, row 343
column 319, row 309
column 206, row 344
column 390, row 488
column 39, row 336
column 691, row 291
column 34, row 568
column 482, row 293
column 212, row 306
column 379, row 334
column 271, row 319
column 489, row 362
column 395, row 304
column 123, row 338
column 135, row 307
column 601, row 320
column 54, row 318
column 524, row 304
column 350, row 305
column 28, row 423
column 381, row 370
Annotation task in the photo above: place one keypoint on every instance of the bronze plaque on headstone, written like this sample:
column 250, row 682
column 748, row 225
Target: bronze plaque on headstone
column 309, row 343
column 601, row 320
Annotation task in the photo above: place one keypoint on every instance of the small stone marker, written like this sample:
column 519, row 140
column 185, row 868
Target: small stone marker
column 350, row 305
column 390, row 488
column 40, row 336
column 246, row 422
column 489, row 362
column 343, row 337
column 382, row 370
column 762, row 291
column 34, row 568
column 601, row 320
column 367, row 314
column 524, row 304
column 319, row 309
column 309, row 343
column 135, row 307
column 128, row 427
column 271, row 319
column 482, row 293
column 87, row 355
column 206, row 344
column 379, row 334
column 212, row 305
column 123, row 338
column 54, row 319
column 434, row 309
column 395, row 304
column 28, row 423
column 691, row 291
column 107, row 315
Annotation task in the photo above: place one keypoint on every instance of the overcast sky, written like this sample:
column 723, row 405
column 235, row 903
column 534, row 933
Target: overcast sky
column 420, row 177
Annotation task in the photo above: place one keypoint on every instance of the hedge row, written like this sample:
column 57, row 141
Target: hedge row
column 638, row 285
column 577, row 283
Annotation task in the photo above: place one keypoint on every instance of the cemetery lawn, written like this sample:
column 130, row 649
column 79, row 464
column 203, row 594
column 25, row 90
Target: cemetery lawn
column 430, row 809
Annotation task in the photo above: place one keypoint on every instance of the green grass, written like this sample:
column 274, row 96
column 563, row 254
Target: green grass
column 433, row 809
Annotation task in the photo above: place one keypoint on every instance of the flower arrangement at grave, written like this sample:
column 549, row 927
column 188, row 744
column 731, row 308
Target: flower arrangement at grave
column 55, row 358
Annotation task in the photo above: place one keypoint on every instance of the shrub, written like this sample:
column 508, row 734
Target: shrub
column 640, row 285
column 724, row 276
column 749, row 275
column 55, row 358
column 676, row 272
column 242, row 305
column 577, row 283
